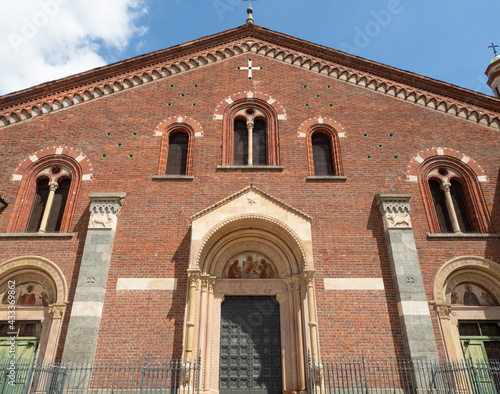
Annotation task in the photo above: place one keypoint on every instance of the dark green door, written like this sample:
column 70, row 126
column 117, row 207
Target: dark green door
column 250, row 346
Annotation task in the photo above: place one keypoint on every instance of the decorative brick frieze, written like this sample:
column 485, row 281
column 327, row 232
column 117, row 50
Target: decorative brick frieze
column 112, row 79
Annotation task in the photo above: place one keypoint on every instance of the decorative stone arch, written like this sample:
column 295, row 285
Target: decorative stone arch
column 231, row 235
column 34, row 269
column 467, row 269
column 251, row 221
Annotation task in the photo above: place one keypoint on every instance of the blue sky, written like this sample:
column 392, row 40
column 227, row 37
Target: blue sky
column 43, row 40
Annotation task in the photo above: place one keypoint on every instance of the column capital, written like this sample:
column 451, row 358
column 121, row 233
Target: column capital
column 395, row 210
column 445, row 186
column 194, row 278
column 104, row 209
column 308, row 276
column 443, row 311
column 57, row 310
column 293, row 283
column 207, row 282
column 53, row 186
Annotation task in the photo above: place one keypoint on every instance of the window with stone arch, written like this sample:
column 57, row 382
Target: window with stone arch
column 250, row 134
column 324, row 151
column 176, row 150
column 47, row 195
column 453, row 198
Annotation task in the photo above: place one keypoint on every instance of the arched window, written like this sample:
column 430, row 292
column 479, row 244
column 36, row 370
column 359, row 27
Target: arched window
column 176, row 151
column 250, row 135
column 178, row 144
column 52, row 190
column 323, row 151
column 47, row 196
column 452, row 196
column 322, row 154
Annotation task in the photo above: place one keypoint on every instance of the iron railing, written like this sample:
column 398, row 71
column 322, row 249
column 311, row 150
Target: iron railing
column 405, row 377
column 101, row 377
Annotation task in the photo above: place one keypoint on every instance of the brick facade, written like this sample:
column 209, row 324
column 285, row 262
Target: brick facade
column 379, row 135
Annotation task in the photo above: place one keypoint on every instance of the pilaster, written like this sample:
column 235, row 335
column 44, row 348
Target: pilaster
column 413, row 307
column 81, row 339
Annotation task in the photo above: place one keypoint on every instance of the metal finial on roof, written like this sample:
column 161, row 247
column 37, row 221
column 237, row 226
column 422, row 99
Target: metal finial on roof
column 249, row 12
column 493, row 46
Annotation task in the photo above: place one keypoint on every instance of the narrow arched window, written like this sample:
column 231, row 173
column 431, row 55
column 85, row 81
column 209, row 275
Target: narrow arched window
column 460, row 206
column 259, row 141
column 322, row 154
column 178, row 144
column 240, row 142
column 439, row 201
column 39, row 203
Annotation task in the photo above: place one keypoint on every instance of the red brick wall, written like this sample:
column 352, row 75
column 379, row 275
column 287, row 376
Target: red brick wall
column 153, row 234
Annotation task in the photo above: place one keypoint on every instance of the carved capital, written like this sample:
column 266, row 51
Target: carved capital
column 308, row 277
column 104, row 209
column 395, row 210
column 53, row 186
column 293, row 283
column 443, row 311
column 207, row 282
column 445, row 187
column 57, row 310
column 194, row 278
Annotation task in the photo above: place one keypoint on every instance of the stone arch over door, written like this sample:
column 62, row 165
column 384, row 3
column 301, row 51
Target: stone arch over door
column 46, row 306
column 252, row 223
column 477, row 272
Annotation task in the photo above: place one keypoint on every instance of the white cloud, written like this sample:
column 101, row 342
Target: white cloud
column 42, row 40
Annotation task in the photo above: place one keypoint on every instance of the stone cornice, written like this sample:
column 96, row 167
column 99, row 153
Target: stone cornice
column 128, row 74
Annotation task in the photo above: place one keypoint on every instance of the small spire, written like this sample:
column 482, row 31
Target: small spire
column 249, row 12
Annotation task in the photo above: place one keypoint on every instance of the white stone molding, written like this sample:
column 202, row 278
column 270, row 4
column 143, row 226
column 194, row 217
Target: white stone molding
column 146, row 284
column 354, row 284
column 395, row 210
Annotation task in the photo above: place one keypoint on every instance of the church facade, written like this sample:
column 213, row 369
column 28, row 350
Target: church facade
column 254, row 200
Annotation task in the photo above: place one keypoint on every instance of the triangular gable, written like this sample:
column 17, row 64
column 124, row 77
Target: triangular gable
column 251, row 199
column 129, row 74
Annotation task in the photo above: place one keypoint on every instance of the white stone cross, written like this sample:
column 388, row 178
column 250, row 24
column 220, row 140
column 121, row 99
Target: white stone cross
column 250, row 68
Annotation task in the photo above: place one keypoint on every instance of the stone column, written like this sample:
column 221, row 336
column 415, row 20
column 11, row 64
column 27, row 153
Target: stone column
column 81, row 339
column 194, row 278
column 48, row 206
column 414, row 314
column 250, row 141
column 445, row 187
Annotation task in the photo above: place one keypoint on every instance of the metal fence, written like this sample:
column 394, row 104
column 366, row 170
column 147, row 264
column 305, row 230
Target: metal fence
column 101, row 377
column 392, row 376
